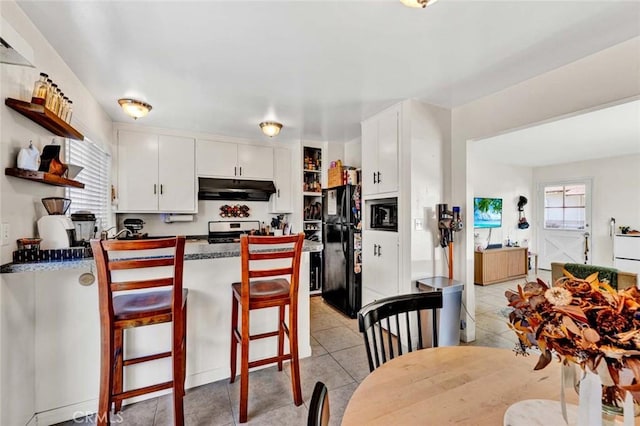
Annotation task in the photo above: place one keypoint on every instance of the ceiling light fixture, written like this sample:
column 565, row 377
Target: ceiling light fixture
column 134, row 108
column 270, row 128
column 418, row 3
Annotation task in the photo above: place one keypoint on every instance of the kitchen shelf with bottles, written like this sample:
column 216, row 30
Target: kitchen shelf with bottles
column 39, row 114
column 312, row 193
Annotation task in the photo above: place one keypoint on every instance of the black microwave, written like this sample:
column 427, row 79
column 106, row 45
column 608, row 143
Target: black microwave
column 384, row 215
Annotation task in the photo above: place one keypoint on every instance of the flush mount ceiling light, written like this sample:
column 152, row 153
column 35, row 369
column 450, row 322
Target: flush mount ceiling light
column 418, row 3
column 134, row 108
column 270, row 128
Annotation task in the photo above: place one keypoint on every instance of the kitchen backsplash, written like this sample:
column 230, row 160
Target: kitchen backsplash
column 207, row 211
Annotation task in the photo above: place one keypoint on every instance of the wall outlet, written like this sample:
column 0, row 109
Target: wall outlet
column 4, row 234
column 419, row 225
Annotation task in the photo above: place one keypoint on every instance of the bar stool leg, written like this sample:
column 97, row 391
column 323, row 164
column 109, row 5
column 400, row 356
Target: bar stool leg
column 293, row 350
column 118, row 343
column 233, row 358
column 280, row 337
column 106, row 378
column 244, row 365
column 184, row 350
column 177, row 360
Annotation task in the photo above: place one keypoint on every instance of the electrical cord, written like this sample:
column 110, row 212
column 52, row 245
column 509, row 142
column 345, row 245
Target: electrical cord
column 463, row 305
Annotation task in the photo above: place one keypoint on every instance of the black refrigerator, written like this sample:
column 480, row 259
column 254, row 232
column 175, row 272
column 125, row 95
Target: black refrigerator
column 342, row 254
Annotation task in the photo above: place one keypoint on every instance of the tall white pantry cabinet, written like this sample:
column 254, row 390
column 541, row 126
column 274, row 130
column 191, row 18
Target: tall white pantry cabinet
column 380, row 165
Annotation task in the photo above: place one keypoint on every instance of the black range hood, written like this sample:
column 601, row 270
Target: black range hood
column 235, row 189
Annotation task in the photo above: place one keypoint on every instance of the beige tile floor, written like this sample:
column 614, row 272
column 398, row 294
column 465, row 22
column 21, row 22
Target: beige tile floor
column 338, row 359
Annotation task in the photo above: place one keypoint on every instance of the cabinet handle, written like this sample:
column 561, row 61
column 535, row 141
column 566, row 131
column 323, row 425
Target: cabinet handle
column 235, row 170
column 374, row 177
column 379, row 177
column 278, row 193
column 375, row 249
column 155, row 187
column 379, row 250
column 161, row 189
column 240, row 170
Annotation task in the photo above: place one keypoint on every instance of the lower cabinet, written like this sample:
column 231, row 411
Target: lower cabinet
column 379, row 265
column 498, row 265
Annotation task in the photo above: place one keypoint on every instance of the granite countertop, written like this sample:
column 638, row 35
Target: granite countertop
column 194, row 250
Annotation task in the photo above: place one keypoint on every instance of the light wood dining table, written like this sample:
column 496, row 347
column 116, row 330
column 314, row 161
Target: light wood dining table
column 462, row 385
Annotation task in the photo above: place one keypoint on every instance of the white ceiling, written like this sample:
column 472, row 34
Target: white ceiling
column 607, row 132
column 319, row 67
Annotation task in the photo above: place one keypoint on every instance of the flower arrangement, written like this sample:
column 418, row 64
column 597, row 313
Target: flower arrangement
column 582, row 321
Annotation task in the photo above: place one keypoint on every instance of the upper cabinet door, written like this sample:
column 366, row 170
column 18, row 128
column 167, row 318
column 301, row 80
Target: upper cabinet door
column 255, row 162
column 282, row 200
column 388, row 151
column 369, row 156
column 137, row 171
column 177, row 175
column 216, row 159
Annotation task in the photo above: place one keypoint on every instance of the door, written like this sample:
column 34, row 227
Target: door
column 388, row 151
column 380, row 262
column 369, row 156
column 335, row 264
column 564, row 222
column 176, row 175
column 281, row 201
column 216, row 159
column 255, row 162
column 137, row 172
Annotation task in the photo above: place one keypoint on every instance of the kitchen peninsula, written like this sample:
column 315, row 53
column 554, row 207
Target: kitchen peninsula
column 60, row 320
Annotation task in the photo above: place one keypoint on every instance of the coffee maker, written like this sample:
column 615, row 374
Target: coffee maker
column 84, row 223
column 56, row 230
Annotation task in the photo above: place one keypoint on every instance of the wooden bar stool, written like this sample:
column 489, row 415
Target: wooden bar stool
column 274, row 292
column 136, row 309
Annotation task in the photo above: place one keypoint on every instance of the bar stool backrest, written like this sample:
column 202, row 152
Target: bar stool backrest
column 261, row 248
column 103, row 251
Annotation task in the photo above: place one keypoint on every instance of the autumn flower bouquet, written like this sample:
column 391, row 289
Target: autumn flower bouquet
column 586, row 322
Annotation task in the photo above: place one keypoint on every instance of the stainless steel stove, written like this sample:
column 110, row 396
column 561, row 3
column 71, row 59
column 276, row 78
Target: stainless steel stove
column 230, row 231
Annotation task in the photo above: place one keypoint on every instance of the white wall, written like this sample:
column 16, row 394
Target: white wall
column 600, row 79
column 430, row 133
column 496, row 180
column 353, row 153
column 615, row 194
column 19, row 201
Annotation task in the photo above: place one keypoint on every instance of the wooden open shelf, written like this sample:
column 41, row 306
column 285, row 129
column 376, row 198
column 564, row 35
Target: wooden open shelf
column 44, row 177
column 42, row 116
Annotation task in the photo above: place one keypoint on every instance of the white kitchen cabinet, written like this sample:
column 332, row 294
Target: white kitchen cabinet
column 380, row 135
column 231, row 160
column 379, row 263
column 626, row 250
column 282, row 200
column 156, row 173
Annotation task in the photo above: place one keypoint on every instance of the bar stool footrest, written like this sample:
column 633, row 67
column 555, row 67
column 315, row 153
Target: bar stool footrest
column 271, row 360
column 141, row 391
column 146, row 358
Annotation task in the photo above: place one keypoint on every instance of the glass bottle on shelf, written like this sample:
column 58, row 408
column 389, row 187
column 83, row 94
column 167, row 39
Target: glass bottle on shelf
column 39, row 95
column 67, row 116
column 63, row 108
column 52, row 99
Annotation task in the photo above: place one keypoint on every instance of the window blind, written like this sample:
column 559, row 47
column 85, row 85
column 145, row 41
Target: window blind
column 95, row 176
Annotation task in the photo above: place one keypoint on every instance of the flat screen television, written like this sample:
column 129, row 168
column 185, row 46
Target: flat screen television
column 487, row 212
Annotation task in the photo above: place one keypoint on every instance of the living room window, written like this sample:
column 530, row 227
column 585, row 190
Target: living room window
column 565, row 206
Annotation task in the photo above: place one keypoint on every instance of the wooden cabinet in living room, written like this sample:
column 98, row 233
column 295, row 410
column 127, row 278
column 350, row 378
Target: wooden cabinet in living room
column 498, row 265
column 380, row 139
column 379, row 264
column 156, row 173
column 282, row 200
column 231, row 160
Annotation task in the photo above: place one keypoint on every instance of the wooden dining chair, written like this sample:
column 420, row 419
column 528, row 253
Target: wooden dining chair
column 136, row 309
column 276, row 291
column 374, row 324
column 319, row 406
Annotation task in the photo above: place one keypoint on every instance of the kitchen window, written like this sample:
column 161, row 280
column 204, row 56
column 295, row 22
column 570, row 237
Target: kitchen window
column 95, row 176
